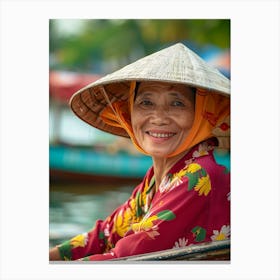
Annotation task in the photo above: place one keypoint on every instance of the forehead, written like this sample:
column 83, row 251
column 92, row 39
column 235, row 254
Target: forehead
column 154, row 85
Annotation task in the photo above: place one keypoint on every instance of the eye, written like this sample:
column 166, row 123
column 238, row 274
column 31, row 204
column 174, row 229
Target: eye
column 145, row 103
column 178, row 103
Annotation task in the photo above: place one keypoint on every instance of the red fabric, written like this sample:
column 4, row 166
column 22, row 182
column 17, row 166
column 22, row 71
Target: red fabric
column 192, row 205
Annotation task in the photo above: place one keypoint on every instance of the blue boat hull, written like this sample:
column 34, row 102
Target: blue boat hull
column 91, row 162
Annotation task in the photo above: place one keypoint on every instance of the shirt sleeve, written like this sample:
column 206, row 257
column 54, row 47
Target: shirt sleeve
column 104, row 235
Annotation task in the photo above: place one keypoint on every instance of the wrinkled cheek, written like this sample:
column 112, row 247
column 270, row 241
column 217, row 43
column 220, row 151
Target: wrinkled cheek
column 137, row 123
column 138, row 134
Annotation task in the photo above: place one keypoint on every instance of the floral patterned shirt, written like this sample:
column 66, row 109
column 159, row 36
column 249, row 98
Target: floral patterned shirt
column 191, row 205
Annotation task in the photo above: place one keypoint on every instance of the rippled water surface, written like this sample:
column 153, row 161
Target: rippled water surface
column 74, row 209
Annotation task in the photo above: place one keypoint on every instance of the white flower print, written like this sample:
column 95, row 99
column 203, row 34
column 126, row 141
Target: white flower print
column 164, row 185
column 106, row 230
column 176, row 181
column 223, row 234
column 182, row 242
column 203, row 149
column 189, row 161
column 228, row 196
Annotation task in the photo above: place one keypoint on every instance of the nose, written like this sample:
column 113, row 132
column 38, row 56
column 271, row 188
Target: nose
column 160, row 116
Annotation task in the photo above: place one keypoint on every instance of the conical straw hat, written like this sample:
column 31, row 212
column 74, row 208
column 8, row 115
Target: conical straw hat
column 175, row 64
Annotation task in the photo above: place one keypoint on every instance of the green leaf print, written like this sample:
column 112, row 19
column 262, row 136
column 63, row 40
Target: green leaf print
column 193, row 180
column 101, row 235
column 151, row 185
column 194, row 177
column 166, row 215
column 199, row 233
column 139, row 210
column 65, row 250
column 203, row 172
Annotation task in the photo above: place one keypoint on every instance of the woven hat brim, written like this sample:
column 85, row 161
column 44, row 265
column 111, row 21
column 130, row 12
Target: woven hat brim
column 176, row 64
column 89, row 102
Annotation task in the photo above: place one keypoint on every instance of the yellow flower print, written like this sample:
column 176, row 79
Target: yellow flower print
column 126, row 217
column 192, row 168
column 203, row 186
column 143, row 194
column 177, row 179
column 79, row 240
column 223, row 234
column 147, row 224
column 180, row 174
column 199, row 180
column 134, row 210
column 122, row 222
column 144, row 224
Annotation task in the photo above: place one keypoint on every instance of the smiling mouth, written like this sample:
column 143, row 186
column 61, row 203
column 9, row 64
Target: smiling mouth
column 160, row 135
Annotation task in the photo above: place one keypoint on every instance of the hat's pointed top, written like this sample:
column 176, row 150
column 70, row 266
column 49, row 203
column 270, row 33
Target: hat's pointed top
column 175, row 64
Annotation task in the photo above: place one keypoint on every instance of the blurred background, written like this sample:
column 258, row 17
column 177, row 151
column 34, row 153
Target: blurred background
column 93, row 172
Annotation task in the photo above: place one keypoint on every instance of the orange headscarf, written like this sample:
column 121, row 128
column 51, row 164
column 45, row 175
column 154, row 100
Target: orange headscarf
column 212, row 111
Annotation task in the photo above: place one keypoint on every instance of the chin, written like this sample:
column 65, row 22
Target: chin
column 155, row 153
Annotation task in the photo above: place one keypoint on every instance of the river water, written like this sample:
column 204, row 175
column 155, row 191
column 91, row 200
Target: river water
column 74, row 209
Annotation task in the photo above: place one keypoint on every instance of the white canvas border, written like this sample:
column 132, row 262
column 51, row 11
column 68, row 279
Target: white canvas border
column 255, row 138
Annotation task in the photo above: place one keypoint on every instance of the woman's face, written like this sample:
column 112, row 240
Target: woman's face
column 162, row 116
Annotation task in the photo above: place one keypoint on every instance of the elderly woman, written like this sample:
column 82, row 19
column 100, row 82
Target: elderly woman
column 175, row 108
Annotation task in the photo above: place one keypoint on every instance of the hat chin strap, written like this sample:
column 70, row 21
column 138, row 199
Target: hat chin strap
column 114, row 115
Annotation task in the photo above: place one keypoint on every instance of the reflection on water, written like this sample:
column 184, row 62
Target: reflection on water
column 75, row 209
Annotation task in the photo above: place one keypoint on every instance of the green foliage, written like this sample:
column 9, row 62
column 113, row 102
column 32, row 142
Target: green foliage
column 105, row 45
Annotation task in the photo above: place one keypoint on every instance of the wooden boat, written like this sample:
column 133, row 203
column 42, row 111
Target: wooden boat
column 209, row 251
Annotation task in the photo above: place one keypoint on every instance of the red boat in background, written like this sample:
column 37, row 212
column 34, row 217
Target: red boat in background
column 62, row 84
